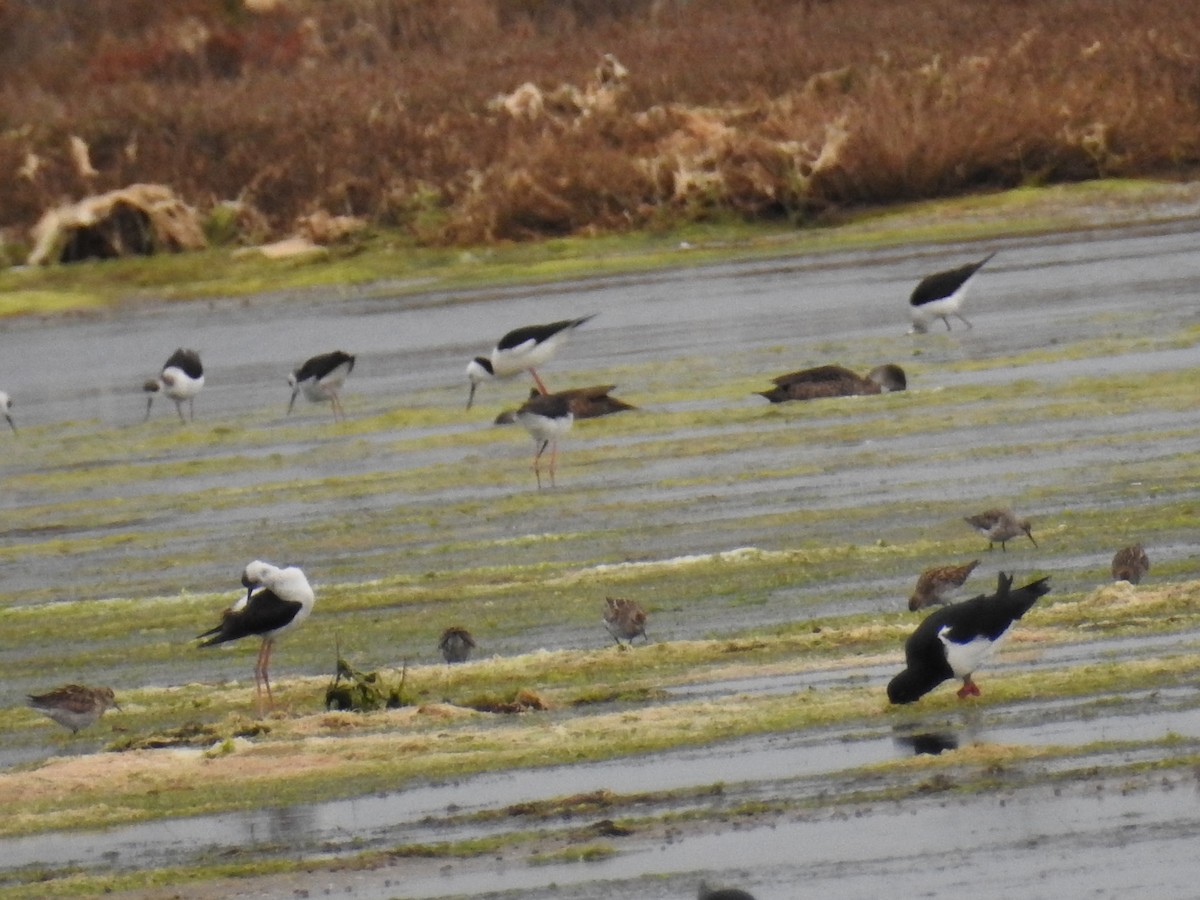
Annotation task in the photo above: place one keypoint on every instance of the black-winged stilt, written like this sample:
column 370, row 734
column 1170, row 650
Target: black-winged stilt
column 523, row 349
column 276, row 601
column 73, row 705
column 1130, row 564
column 6, row 408
column 937, row 585
column 321, row 378
column 1000, row 526
column 181, row 379
column 952, row 642
column 835, row 381
column 941, row 295
column 546, row 417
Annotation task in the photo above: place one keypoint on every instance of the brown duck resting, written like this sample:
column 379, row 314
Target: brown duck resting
column 835, row 381
column 585, row 403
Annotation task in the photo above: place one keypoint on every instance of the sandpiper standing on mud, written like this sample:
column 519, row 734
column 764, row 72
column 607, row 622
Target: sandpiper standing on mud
column 938, row 585
column 456, row 644
column 75, row 706
column 1130, row 564
column 1000, row 526
column 624, row 619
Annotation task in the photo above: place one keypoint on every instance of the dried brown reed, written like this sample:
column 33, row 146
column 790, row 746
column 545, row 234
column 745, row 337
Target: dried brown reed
column 389, row 109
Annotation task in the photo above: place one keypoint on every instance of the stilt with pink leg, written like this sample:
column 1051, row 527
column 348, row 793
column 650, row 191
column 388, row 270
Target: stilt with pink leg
column 321, row 379
column 276, row 601
column 546, row 417
column 521, row 350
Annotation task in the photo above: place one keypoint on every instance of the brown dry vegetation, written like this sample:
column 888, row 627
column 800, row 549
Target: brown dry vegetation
column 386, row 109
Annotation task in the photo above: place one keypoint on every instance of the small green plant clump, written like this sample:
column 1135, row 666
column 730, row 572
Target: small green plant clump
column 355, row 691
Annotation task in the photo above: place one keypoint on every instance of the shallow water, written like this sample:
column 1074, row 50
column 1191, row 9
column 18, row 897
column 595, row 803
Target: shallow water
column 723, row 323
column 760, row 766
column 779, row 313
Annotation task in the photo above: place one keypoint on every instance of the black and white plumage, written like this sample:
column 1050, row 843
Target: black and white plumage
column 546, row 417
column 181, row 378
column 320, row 379
column 521, row 350
column 6, row 409
column 456, row 644
column 941, row 295
column 953, row 641
column 276, row 601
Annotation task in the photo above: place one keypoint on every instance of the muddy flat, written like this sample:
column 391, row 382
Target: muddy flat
column 741, row 525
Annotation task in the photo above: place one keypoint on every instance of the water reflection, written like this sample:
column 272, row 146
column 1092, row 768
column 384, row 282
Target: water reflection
column 287, row 826
column 443, row 811
column 928, row 743
column 937, row 735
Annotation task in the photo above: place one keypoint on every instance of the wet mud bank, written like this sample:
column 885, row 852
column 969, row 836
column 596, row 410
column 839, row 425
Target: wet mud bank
column 733, row 521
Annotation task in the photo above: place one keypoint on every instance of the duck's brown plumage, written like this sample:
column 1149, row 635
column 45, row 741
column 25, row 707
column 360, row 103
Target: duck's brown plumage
column 585, row 403
column 835, row 381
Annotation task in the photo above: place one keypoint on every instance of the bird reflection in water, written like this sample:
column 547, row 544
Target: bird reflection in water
column 928, row 743
column 937, row 735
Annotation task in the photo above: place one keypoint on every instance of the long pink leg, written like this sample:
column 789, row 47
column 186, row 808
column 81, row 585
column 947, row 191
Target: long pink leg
column 260, row 674
column 553, row 460
column 537, row 471
column 258, row 678
column 538, row 381
column 266, row 677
